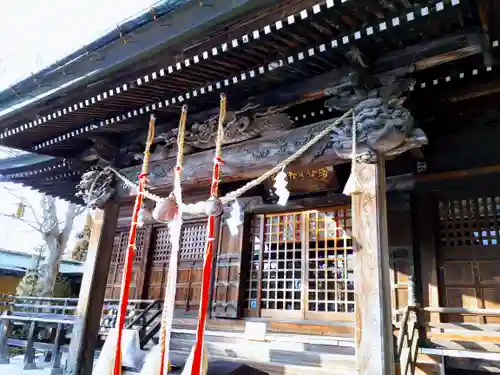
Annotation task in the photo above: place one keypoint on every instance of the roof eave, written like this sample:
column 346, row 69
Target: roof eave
column 182, row 24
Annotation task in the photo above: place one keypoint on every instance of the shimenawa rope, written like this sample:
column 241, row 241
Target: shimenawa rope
column 199, row 207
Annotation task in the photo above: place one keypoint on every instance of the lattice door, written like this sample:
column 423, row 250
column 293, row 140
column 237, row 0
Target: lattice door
column 226, row 291
column 191, row 253
column 469, row 254
column 330, row 258
column 114, row 281
column 282, row 258
column 160, row 260
column 300, row 266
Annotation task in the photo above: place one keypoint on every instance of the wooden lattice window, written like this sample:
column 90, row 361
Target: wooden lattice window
column 139, row 246
column 191, row 254
column 469, row 255
column 119, row 248
column 301, row 265
column 120, row 244
column 193, row 242
column 162, row 246
column 470, row 222
column 161, row 249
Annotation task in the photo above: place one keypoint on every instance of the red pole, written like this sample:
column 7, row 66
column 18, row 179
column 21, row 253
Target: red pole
column 205, row 283
column 127, row 275
column 207, row 263
column 129, row 256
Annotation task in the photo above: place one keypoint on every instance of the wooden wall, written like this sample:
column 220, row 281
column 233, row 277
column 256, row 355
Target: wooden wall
column 460, row 252
column 151, row 264
column 401, row 252
column 232, row 261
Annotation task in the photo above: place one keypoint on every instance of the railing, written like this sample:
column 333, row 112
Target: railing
column 474, row 337
column 417, row 336
column 408, row 340
column 148, row 322
column 45, row 324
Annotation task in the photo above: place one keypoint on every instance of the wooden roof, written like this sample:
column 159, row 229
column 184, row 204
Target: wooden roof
column 285, row 53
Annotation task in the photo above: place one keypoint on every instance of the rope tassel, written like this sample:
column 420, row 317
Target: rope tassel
column 170, row 210
column 175, row 227
column 110, row 360
column 353, row 186
column 198, row 366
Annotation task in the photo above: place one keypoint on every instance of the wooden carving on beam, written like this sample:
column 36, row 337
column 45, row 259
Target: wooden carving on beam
column 359, row 85
column 96, row 188
column 241, row 125
column 250, row 159
column 383, row 125
column 104, row 152
column 385, row 128
column 256, row 143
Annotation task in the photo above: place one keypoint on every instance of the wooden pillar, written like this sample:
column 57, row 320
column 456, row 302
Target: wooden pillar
column 91, row 299
column 374, row 338
column 425, row 225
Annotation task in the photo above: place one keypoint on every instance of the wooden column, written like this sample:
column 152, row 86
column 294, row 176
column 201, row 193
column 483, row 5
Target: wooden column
column 425, row 227
column 91, row 299
column 374, row 338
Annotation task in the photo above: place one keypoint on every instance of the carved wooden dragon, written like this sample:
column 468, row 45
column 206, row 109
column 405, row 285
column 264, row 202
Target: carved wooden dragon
column 240, row 126
column 383, row 125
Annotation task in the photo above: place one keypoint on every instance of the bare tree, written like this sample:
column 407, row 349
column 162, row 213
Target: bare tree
column 55, row 234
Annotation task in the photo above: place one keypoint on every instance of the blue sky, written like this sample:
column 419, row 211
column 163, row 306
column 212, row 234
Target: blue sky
column 34, row 35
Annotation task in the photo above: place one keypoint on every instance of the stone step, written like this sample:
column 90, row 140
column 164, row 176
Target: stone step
column 289, row 353
column 284, row 353
column 272, row 368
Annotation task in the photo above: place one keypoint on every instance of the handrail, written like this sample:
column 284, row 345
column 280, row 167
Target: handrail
column 142, row 314
column 461, row 310
column 402, row 331
column 408, row 340
column 59, row 299
column 34, row 319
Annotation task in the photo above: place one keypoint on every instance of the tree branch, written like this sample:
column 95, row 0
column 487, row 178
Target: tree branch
column 50, row 222
column 38, row 229
column 79, row 210
column 28, row 205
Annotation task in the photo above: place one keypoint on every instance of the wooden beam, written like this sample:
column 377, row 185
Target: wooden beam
column 447, row 57
column 374, row 337
column 245, row 160
column 430, row 53
column 89, row 309
column 464, row 173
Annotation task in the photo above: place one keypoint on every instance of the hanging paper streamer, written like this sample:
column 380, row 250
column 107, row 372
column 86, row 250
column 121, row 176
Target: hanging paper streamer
column 280, row 184
column 235, row 220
